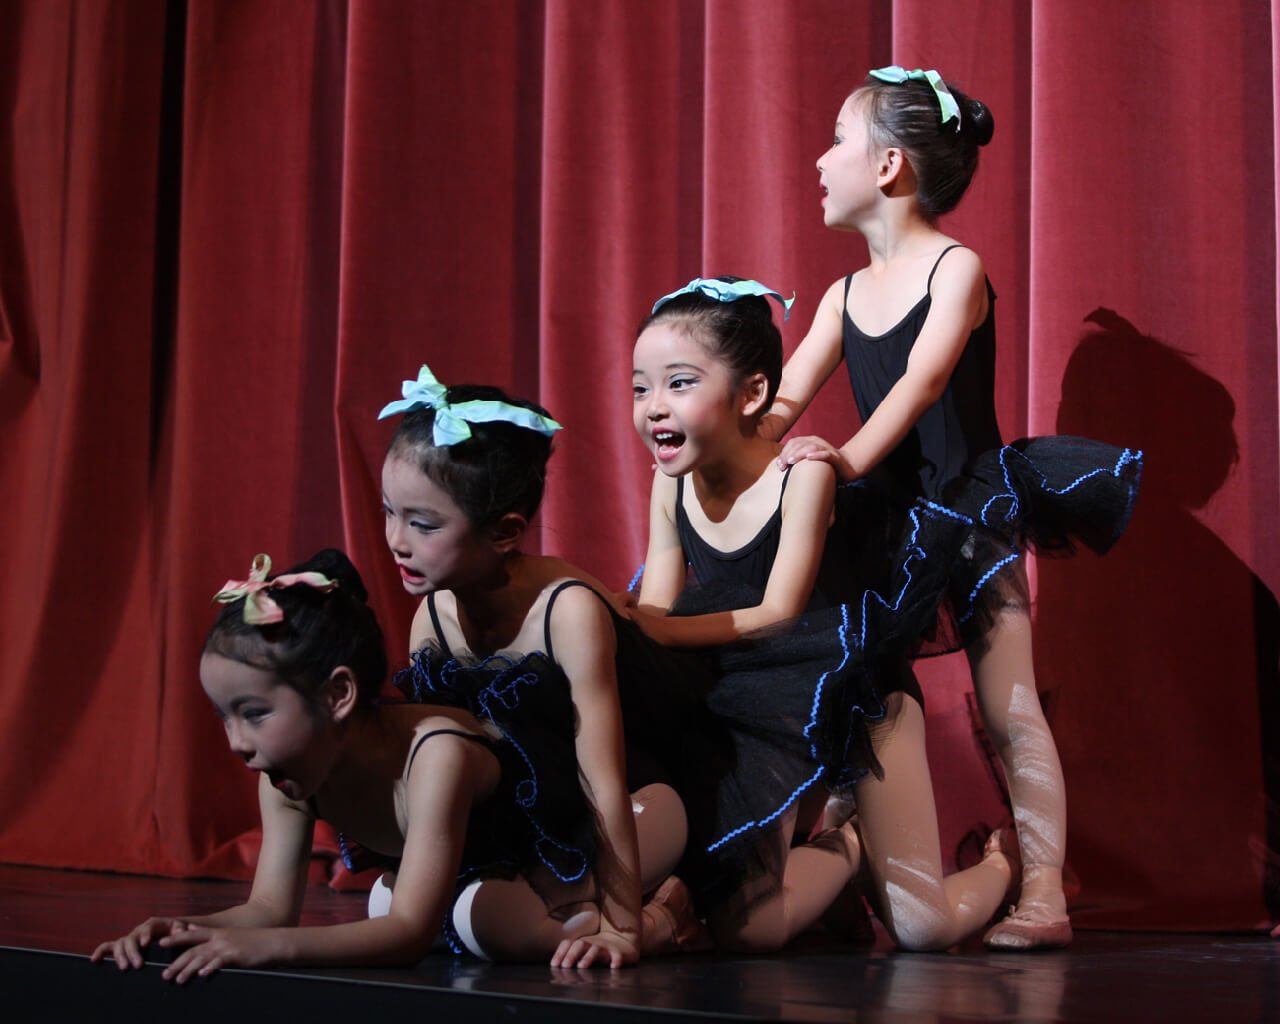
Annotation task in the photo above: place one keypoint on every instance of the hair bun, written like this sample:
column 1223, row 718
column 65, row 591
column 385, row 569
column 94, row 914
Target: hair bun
column 337, row 566
column 983, row 123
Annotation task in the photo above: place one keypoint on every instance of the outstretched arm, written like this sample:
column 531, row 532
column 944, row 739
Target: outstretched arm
column 274, row 901
column 959, row 298
column 583, row 637
column 806, row 515
column 440, row 792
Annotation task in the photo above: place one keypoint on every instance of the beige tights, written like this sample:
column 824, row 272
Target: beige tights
column 1005, row 685
column 507, row 920
column 921, row 909
column 813, row 876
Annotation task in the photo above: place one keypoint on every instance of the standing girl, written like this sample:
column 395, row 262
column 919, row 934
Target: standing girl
column 293, row 664
column 707, row 363
column 917, row 330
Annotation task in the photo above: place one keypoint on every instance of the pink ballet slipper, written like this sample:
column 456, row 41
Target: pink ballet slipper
column 673, row 904
column 1025, row 928
column 1022, row 932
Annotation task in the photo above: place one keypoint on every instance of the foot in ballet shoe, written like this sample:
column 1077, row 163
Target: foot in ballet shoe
column 1029, row 925
column 673, row 905
column 1026, row 930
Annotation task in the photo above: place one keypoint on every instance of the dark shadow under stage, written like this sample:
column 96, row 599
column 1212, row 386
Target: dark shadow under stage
column 51, row 920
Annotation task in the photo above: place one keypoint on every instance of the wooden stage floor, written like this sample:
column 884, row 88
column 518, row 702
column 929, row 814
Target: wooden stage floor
column 51, row 920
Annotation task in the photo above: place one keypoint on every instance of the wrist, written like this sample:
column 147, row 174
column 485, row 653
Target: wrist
column 282, row 945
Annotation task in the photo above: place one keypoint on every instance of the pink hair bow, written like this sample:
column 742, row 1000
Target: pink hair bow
column 259, row 607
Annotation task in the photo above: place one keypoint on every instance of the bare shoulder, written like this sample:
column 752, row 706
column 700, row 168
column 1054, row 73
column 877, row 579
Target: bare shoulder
column 812, row 481
column 809, row 475
column 959, row 264
column 588, row 603
column 832, row 302
column 449, row 751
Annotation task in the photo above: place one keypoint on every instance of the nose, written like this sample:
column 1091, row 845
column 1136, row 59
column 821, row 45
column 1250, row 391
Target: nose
column 395, row 535
column 818, row 163
column 656, row 407
column 237, row 740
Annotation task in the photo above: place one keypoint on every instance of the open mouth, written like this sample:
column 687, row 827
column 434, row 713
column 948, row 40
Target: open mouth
column 667, row 444
column 408, row 576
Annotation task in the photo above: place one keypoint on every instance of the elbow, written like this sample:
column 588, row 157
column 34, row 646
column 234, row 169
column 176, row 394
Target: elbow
column 933, row 390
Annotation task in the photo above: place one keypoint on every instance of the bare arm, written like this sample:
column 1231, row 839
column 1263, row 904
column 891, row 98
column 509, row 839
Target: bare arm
column 664, row 563
column 816, row 358
column 806, row 515
column 959, row 293
column 441, row 789
column 583, row 636
column 275, row 900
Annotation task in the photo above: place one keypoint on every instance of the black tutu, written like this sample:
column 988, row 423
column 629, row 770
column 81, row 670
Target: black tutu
column 1047, row 494
column 739, row 731
column 539, row 814
column 811, row 689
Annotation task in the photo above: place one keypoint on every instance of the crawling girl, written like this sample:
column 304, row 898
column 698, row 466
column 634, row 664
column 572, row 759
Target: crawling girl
column 292, row 665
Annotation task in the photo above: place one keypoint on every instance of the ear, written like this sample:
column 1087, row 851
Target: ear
column 506, row 533
column 341, row 693
column 890, row 166
column 754, row 394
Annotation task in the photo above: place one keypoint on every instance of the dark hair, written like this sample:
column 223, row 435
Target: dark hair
column 320, row 631
column 907, row 115
column 500, row 468
column 741, row 332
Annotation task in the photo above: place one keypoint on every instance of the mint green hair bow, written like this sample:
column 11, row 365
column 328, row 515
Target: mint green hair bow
column 451, row 421
column 259, row 607
column 946, row 102
column 726, row 291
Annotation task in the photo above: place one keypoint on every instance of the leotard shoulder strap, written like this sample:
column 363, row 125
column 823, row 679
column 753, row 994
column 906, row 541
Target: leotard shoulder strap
column 435, row 624
column 786, row 475
column 928, row 288
column 546, row 621
column 929, row 284
column 484, row 741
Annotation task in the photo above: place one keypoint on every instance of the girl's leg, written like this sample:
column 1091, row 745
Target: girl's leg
column 507, row 920
column 814, row 875
column 899, row 824
column 501, row 919
column 661, row 832
column 1004, row 682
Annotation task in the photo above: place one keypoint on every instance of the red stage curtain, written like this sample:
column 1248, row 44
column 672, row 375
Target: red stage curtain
column 229, row 230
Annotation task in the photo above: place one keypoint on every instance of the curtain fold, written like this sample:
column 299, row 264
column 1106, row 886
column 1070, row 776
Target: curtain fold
column 228, row 231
